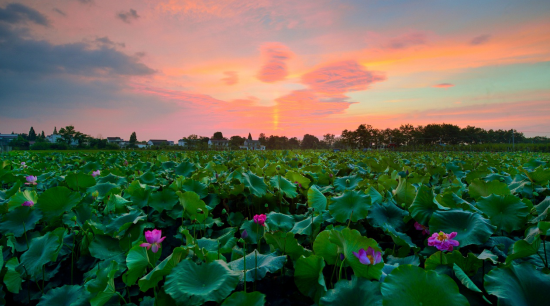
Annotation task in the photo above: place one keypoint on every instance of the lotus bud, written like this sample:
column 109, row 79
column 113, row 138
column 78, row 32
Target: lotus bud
column 278, row 168
column 224, row 211
column 347, row 182
column 241, row 240
column 244, row 234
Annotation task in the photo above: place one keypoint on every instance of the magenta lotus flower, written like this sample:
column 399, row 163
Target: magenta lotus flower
column 260, row 219
column 420, row 227
column 96, row 173
column 28, row 203
column 368, row 257
column 153, row 240
column 23, row 165
column 442, row 241
column 31, row 180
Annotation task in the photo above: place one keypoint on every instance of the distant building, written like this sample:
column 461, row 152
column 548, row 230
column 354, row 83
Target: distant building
column 170, row 142
column 252, row 145
column 116, row 140
column 158, row 142
column 53, row 138
column 182, row 142
column 220, row 144
column 142, row 145
column 5, row 139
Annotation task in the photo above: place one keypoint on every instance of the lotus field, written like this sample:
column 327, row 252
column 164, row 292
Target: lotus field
column 274, row 228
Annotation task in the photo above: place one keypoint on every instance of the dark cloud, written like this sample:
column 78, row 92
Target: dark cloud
column 406, row 40
column 60, row 12
column 105, row 41
column 17, row 13
column 129, row 16
column 85, row 1
column 479, row 40
column 276, row 55
column 231, row 77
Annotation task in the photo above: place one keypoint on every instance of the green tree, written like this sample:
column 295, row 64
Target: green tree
column 32, row 134
column 218, row 136
column 43, row 136
column 133, row 139
column 236, row 141
column 249, row 136
column 310, row 142
column 55, row 130
column 67, row 134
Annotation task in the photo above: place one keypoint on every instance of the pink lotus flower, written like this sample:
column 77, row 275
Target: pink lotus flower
column 153, row 240
column 23, row 165
column 420, row 227
column 28, row 203
column 96, row 173
column 260, row 219
column 31, row 180
column 442, row 241
column 368, row 257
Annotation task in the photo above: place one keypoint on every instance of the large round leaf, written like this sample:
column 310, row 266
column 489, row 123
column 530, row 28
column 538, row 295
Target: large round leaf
column 163, row 200
column 342, row 207
column 192, row 284
column 56, row 201
column 423, row 205
column 357, row 291
column 411, row 285
column 508, row 213
column 405, row 193
column 194, row 207
column 255, row 184
column 20, row 197
column 349, row 241
column 479, row 188
column 308, row 276
column 20, row 219
column 254, row 231
column 284, row 185
column 286, row 243
column 242, row 298
column 347, row 182
column 42, row 250
column 280, row 222
column 79, row 180
column 519, row 285
column 387, row 214
column 471, row 228
column 316, row 199
column 323, row 247
column 185, row 169
column 65, row 296
column 257, row 265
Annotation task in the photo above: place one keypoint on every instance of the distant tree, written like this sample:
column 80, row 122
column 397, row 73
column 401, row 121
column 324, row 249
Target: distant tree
column 310, row 142
column 32, row 134
column 133, row 138
column 249, row 136
column 262, row 138
column 218, row 136
column 67, row 134
column 55, row 130
column 20, row 143
column 293, row 143
column 43, row 136
column 236, row 141
column 328, row 139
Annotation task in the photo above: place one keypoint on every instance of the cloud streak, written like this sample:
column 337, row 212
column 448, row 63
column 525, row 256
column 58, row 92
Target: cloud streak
column 443, row 85
column 129, row 16
column 231, row 78
column 275, row 57
column 480, row 40
column 17, row 13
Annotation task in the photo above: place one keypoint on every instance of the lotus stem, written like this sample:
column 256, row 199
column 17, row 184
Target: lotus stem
column 545, row 255
column 351, row 215
column 244, row 260
column 340, row 271
column 26, row 240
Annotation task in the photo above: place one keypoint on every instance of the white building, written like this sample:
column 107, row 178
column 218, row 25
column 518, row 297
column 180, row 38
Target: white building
column 220, row 144
column 252, row 145
column 182, row 142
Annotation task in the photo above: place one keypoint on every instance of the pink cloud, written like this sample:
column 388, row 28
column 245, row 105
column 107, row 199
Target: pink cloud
column 339, row 78
column 444, row 85
column 231, row 77
column 274, row 69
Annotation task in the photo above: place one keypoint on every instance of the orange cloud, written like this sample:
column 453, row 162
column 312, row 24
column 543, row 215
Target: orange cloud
column 341, row 77
column 231, row 77
column 274, row 69
column 443, row 85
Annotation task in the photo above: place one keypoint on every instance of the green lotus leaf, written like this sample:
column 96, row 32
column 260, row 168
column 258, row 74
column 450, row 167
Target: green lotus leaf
column 479, row 188
column 19, row 198
column 241, row 298
column 449, row 199
column 297, row 177
column 309, row 278
column 77, row 181
column 357, row 291
column 399, row 238
column 469, row 264
column 120, row 223
column 286, row 244
column 194, row 208
column 104, row 247
column 19, row 220
column 316, row 199
column 352, row 204
column 255, row 184
column 56, row 201
column 114, row 179
column 117, row 204
column 105, row 287
column 464, row 279
column 539, row 176
column 522, row 249
column 185, row 169
column 471, row 228
column 104, row 190
column 42, row 250
column 254, row 230
column 12, row 278
column 375, row 196
column 195, row 186
column 347, row 183
column 163, row 200
column 148, row 178
column 164, row 268
column 305, row 226
column 257, row 265
column 323, row 247
column 139, row 193
column 65, row 296
column 349, row 241
column 280, row 222
column 286, row 186
column 411, row 285
column 404, row 193
column 423, row 205
column 387, row 214
column 518, row 285
column 137, row 261
column 192, row 284
column 508, row 213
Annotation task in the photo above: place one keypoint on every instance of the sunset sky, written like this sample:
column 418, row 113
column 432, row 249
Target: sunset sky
column 167, row 69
